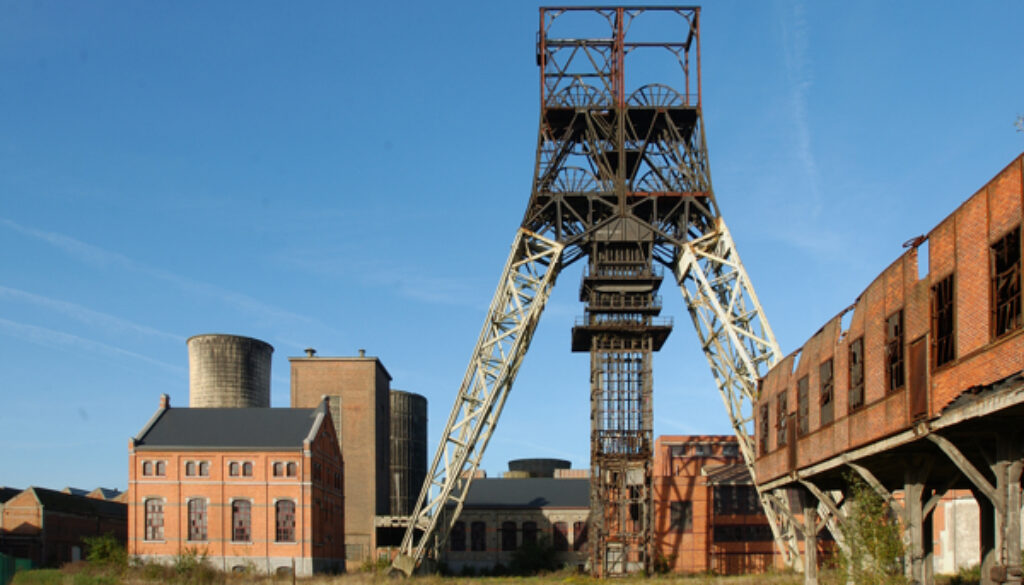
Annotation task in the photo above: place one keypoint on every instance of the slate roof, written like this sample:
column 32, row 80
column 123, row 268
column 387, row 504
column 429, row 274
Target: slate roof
column 537, row 492
column 227, row 428
column 54, row 501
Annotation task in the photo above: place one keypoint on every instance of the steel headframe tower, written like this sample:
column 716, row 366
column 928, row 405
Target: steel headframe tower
column 621, row 178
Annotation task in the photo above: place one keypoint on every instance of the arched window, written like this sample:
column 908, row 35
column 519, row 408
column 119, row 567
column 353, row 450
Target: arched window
column 278, row 469
column 291, row 470
column 233, row 469
column 197, row 519
column 247, row 469
column 478, row 536
column 241, row 521
column 284, row 512
column 457, row 540
column 154, row 519
column 147, row 468
column 529, row 533
column 508, row 536
column 190, row 468
column 204, row 468
column 160, row 469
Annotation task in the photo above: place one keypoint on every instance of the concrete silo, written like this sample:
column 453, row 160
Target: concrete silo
column 408, row 450
column 228, row 371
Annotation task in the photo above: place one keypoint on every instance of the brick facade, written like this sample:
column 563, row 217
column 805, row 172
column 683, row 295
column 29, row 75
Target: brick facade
column 961, row 245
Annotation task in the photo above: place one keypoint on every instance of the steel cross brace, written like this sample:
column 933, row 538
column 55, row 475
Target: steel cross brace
column 739, row 346
column 525, row 285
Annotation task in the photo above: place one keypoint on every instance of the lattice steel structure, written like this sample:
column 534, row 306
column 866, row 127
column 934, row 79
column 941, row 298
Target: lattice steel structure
column 621, row 178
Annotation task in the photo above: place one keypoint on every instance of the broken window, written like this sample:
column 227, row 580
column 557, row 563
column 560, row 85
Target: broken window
column 508, row 536
column 285, row 516
column 894, row 351
column 681, row 516
column 241, row 521
column 1005, row 255
column 763, row 430
column 154, row 519
column 856, row 373
column 529, row 533
column 579, row 535
column 730, row 450
column 781, row 419
column 825, row 386
column 197, row 519
column 803, row 408
column 677, row 450
column 457, row 540
column 560, row 536
column 478, row 536
column 943, row 347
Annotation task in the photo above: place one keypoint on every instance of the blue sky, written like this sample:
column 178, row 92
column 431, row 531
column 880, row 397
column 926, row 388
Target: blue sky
column 350, row 175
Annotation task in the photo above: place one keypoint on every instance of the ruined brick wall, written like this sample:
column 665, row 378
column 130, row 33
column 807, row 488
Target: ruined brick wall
column 960, row 245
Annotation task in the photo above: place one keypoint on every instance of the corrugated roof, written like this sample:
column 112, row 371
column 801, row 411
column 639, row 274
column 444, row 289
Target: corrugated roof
column 228, row 428
column 54, row 501
column 538, row 492
column 731, row 474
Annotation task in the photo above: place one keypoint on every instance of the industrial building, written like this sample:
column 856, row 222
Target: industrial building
column 249, row 487
column 918, row 387
column 48, row 527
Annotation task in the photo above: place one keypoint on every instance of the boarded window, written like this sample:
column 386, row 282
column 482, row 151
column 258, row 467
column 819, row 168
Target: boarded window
column 763, row 429
column 803, row 407
column 478, row 536
column 782, row 416
column 579, row 535
column 529, row 533
column 1006, row 278
column 197, row 519
column 943, row 346
column 508, row 536
column 241, row 521
column 826, row 386
column 457, row 541
column 284, row 515
column 894, row 351
column 681, row 516
column 560, row 536
column 856, row 373
column 154, row 519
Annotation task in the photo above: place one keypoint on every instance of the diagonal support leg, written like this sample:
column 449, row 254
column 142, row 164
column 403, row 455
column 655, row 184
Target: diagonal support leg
column 525, row 285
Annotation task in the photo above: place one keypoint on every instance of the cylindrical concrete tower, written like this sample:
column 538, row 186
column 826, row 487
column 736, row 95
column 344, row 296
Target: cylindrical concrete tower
column 408, row 450
column 228, row 371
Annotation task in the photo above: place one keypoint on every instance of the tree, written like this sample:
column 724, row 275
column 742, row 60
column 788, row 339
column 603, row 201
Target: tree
column 874, row 551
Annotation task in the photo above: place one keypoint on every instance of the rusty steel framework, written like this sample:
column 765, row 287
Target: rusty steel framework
column 621, row 178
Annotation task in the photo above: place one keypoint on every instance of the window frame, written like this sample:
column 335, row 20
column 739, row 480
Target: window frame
column 237, row 515
column 508, row 536
column 803, row 406
column 153, row 519
column 478, row 536
column 1011, row 277
column 680, row 516
column 826, row 392
column 895, row 358
column 457, row 537
column 198, row 520
column 856, row 382
column 293, row 528
column 943, row 321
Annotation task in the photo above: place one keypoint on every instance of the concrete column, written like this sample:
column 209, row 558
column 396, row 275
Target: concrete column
column 913, row 524
column 1008, row 474
column 810, row 541
column 928, row 530
column 986, row 535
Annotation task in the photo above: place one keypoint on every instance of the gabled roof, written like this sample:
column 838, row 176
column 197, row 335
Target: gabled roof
column 537, row 492
column 7, row 493
column 54, row 501
column 229, row 428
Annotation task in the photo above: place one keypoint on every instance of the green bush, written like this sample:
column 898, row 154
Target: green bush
column 105, row 551
column 874, row 544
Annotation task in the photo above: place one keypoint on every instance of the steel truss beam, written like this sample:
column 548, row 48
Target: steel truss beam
column 739, row 346
column 526, row 282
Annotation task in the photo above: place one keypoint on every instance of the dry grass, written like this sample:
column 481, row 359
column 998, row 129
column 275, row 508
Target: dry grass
column 559, row 579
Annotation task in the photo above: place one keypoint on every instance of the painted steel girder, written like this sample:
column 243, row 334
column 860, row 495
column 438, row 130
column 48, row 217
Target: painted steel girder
column 525, row 285
column 739, row 346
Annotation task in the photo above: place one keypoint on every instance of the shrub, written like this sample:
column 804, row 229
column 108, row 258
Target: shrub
column 874, row 545
column 533, row 558
column 105, row 551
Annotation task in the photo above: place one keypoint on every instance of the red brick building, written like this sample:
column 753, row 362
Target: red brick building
column 48, row 527
column 249, row 487
column 707, row 514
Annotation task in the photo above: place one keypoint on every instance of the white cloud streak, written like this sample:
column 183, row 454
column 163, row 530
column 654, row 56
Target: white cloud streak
column 84, row 314
column 51, row 338
column 97, row 256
